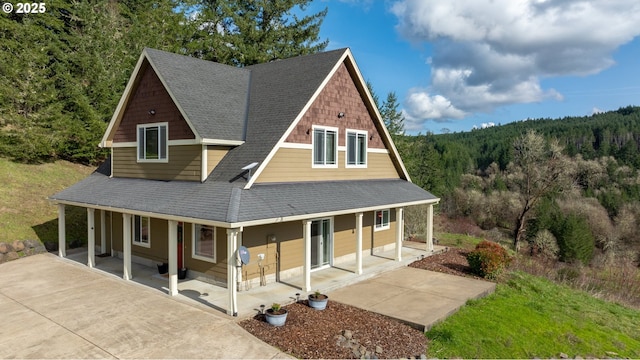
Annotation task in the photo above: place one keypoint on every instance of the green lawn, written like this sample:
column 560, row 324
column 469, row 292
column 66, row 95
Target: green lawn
column 25, row 212
column 529, row 317
column 458, row 240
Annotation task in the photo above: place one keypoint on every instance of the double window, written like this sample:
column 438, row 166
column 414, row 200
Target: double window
column 152, row 142
column 381, row 220
column 325, row 147
column 204, row 243
column 356, row 148
column 141, row 231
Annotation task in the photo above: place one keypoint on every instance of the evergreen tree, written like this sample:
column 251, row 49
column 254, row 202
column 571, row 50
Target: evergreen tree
column 241, row 32
column 393, row 119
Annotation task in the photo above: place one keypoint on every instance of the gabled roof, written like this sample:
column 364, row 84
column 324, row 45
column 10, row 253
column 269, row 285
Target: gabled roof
column 279, row 92
column 212, row 97
column 255, row 107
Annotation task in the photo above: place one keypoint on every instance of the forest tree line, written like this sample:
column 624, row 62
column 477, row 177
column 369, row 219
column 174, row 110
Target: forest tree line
column 62, row 72
column 569, row 188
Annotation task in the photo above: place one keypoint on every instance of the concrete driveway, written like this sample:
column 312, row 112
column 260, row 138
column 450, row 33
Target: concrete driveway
column 56, row 308
column 418, row 297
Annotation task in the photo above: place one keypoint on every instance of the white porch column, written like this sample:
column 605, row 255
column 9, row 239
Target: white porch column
column 399, row 232
column 430, row 228
column 91, row 238
column 359, row 243
column 62, row 243
column 306, row 226
column 173, row 257
column 103, row 232
column 232, row 248
column 126, row 246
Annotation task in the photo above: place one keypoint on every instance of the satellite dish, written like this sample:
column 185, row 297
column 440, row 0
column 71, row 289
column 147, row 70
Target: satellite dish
column 248, row 168
column 244, row 255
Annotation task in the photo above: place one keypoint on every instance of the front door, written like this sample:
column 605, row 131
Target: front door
column 321, row 238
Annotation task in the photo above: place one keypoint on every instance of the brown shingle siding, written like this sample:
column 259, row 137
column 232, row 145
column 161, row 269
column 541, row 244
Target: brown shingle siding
column 151, row 94
column 339, row 95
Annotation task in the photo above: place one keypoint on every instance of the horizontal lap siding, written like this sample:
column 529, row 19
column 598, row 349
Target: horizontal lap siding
column 383, row 237
column 214, row 156
column 217, row 270
column 295, row 165
column 344, row 235
column 159, row 250
column 184, row 164
column 288, row 247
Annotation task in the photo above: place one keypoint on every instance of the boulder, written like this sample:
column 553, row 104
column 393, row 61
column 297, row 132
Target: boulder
column 51, row 245
column 30, row 244
column 11, row 256
column 18, row 245
column 5, row 248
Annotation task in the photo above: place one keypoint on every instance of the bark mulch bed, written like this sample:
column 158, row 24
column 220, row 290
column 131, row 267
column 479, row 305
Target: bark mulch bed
column 453, row 261
column 345, row 332
column 338, row 332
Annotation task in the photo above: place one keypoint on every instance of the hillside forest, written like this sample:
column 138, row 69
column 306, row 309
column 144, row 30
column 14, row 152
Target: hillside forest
column 567, row 189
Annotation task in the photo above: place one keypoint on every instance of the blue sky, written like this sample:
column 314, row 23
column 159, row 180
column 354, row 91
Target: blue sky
column 456, row 64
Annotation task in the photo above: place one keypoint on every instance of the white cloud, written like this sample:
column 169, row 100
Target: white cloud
column 595, row 110
column 420, row 105
column 488, row 54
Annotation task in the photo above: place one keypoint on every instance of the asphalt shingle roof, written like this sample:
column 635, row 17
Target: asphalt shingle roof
column 223, row 202
column 255, row 104
column 213, row 96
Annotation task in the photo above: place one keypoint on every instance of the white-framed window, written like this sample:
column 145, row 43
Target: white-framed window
column 325, row 147
column 204, row 243
column 152, row 140
column 141, row 231
column 356, row 148
column 381, row 219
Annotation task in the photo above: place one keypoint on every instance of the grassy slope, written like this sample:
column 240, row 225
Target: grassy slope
column 25, row 212
column 530, row 317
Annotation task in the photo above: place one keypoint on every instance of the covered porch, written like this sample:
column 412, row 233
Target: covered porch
column 233, row 299
column 250, row 298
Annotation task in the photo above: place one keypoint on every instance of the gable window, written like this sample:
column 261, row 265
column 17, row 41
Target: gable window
column 204, row 243
column 381, row 220
column 356, row 148
column 325, row 147
column 141, row 231
column 152, row 142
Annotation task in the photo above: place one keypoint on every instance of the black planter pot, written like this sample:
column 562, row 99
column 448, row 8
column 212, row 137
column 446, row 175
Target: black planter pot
column 163, row 268
column 182, row 273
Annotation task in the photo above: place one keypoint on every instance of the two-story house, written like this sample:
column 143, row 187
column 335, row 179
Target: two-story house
column 289, row 160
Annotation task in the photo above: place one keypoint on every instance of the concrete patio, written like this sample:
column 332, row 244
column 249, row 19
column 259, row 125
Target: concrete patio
column 249, row 300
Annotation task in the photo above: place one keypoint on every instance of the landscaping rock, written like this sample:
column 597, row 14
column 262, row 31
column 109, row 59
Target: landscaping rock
column 11, row 256
column 347, row 334
column 5, row 248
column 563, row 356
column 378, row 349
column 32, row 244
column 18, row 245
column 51, row 245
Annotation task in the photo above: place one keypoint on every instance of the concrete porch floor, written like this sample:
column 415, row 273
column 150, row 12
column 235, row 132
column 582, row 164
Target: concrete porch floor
column 249, row 300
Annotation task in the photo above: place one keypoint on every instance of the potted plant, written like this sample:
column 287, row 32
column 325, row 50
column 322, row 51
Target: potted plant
column 318, row 301
column 163, row 268
column 276, row 315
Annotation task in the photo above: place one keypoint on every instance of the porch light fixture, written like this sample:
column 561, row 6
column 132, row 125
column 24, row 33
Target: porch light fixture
column 152, row 112
column 371, row 137
column 271, row 237
column 341, row 114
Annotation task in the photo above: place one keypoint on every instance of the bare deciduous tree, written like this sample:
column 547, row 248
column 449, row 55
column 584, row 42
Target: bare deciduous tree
column 538, row 169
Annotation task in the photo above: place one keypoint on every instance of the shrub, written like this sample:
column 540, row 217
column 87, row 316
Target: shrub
column 545, row 244
column 575, row 240
column 488, row 259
